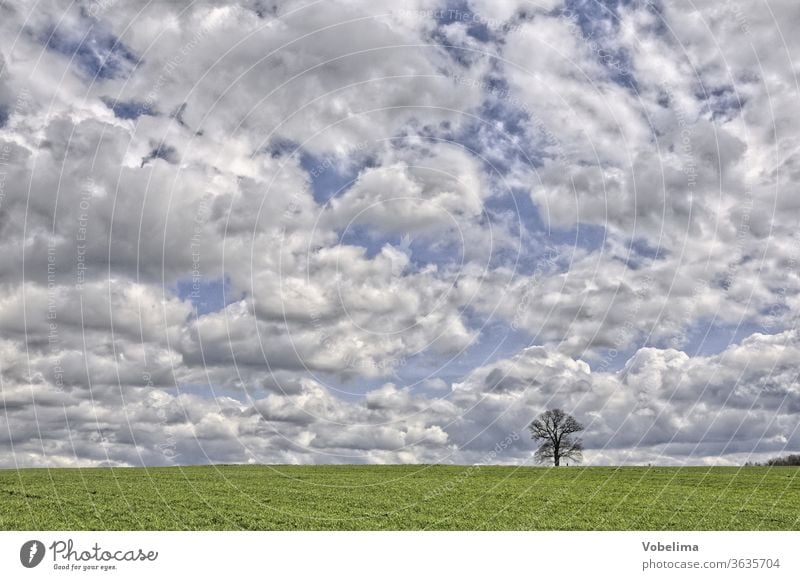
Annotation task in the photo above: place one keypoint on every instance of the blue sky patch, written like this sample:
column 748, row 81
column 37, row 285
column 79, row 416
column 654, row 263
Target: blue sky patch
column 706, row 337
column 128, row 109
column 641, row 253
column 598, row 22
column 454, row 13
column 98, row 54
column 496, row 342
column 721, row 103
column 207, row 295
column 279, row 147
column 330, row 177
column 161, row 151
column 611, row 359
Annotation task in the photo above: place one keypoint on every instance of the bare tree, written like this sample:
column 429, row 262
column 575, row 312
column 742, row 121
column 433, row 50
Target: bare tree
column 554, row 428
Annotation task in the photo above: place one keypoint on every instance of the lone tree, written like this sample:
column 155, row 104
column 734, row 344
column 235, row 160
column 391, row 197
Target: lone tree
column 554, row 428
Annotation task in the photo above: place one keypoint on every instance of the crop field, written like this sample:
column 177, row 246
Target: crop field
column 419, row 497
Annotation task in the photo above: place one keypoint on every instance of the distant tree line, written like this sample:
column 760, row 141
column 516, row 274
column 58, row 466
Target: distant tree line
column 788, row 461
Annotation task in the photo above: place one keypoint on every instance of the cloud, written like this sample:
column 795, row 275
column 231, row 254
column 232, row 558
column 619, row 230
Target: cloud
column 396, row 202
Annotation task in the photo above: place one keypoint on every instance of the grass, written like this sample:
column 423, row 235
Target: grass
column 419, row 497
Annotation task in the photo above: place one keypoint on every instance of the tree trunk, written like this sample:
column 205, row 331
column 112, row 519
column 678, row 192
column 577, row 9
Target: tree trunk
column 556, row 460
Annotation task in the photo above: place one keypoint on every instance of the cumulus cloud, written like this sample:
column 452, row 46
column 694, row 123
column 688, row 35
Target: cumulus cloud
column 251, row 232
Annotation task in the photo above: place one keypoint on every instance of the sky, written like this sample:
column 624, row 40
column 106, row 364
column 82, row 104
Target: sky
column 380, row 232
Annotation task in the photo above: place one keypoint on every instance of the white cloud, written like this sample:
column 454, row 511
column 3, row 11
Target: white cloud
column 177, row 148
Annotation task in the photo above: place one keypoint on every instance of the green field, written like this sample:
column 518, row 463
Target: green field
column 416, row 497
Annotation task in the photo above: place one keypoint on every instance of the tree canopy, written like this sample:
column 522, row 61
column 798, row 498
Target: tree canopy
column 554, row 428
